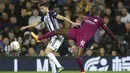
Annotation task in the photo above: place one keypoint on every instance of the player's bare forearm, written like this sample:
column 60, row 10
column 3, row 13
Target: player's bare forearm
column 29, row 26
column 64, row 18
column 68, row 20
column 110, row 32
column 32, row 25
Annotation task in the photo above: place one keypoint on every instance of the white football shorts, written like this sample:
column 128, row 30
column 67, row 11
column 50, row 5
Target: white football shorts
column 55, row 42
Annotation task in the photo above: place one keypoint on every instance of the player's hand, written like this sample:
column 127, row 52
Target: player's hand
column 120, row 43
column 23, row 28
column 76, row 24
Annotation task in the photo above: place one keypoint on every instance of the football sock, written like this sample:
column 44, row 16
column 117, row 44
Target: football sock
column 53, row 67
column 79, row 60
column 49, row 34
column 53, row 58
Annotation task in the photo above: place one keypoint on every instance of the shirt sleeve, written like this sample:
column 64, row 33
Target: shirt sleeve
column 53, row 14
column 108, row 30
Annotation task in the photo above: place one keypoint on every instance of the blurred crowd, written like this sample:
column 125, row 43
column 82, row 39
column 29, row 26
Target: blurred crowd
column 17, row 13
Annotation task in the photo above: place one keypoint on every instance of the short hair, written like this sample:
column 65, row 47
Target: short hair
column 102, row 4
column 124, row 8
column 94, row 9
column 12, row 16
column 44, row 4
column 118, row 15
column 11, row 31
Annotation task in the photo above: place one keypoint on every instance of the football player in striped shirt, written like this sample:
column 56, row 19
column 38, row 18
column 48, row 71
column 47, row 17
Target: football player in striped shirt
column 50, row 19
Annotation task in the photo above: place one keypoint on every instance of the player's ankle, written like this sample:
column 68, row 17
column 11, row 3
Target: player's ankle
column 60, row 69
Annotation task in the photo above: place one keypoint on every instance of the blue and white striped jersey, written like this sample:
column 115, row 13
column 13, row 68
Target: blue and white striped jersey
column 51, row 21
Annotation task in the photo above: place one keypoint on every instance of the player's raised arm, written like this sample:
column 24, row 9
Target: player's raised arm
column 30, row 25
column 66, row 19
column 109, row 32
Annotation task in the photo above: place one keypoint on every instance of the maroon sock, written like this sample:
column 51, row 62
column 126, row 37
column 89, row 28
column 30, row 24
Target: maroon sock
column 80, row 62
column 47, row 35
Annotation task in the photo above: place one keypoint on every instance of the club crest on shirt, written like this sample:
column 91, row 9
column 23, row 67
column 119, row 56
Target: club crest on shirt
column 95, row 20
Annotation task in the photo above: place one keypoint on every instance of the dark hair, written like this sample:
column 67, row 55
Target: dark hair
column 95, row 9
column 44, row 4
column 11, row 31
column 31, row 47
column 23, row 8
column 12, row 16
column 118, row 15
column 102, row 4
column 123, row 8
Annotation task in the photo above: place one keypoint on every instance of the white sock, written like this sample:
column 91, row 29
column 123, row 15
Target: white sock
column 53, row 67
column 53, row 58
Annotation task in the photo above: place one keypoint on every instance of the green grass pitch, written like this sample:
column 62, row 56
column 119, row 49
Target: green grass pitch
column 64, row 72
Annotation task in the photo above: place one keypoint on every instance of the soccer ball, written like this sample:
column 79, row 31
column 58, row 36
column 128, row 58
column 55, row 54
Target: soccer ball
column 15, row 45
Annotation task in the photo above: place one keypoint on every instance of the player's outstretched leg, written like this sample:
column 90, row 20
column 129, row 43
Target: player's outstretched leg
column 79, row 59
column 47, row 35
column 62, row 31
column 35, row 37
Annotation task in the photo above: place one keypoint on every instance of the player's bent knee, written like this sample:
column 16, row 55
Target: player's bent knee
column 48, row 50
column 79, row 55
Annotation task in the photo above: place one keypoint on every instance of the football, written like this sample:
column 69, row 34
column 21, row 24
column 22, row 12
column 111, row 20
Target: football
column 15, row 45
